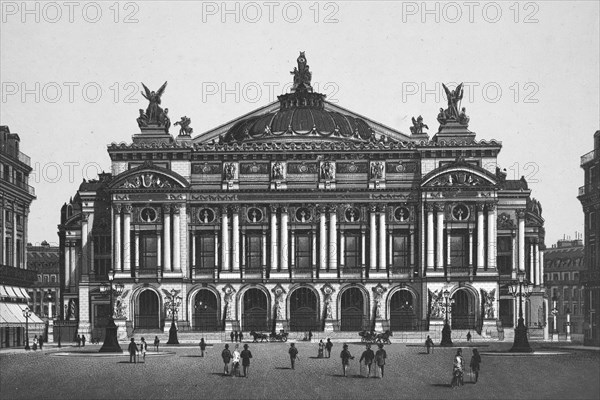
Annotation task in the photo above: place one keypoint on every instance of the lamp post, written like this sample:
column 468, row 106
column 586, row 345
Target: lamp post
column 521, row 288
column 554, row 313
column 175, row 301
column 111, row 343
column 446, row 330
column 27, row 314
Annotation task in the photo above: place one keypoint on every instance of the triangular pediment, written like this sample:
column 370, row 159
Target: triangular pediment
column 148, row 176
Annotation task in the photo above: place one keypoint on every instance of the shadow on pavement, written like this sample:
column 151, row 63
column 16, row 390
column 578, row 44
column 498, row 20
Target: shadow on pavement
column 283, row 367
column 446, row 385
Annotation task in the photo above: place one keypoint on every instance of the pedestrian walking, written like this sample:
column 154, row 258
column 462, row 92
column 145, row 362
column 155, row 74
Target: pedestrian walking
column 328, row 346
column 41, row 341
column 202, row 347
column 429, row 344
column 241, row 336
column 143, row 348
column 380, row 357
column 231, row 336
column 321, row 348
column 246, row 356
column 78, row 340
column 156, row 343
column 475, row 364
column 235, row 365
column 236, row 336
column 35, row 342
column 309, row 336
column 346, row 357
column 469, row 336
column 226, row 355
column 293, row 354
column 82, row 340
column 132, row 351
column 457, row 369
column 368, row 357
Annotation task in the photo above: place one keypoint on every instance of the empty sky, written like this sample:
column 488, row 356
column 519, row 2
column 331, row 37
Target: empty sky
column 71, row 72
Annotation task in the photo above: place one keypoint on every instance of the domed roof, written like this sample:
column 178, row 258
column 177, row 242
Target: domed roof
column 301, row 115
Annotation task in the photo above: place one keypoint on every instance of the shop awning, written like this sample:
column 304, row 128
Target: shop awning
column 13, row 293
column 11, row 314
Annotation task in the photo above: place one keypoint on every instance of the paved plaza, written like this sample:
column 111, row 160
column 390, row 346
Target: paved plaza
column 180, row 372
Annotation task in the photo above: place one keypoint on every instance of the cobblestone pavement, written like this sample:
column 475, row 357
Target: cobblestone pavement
column 182, row 373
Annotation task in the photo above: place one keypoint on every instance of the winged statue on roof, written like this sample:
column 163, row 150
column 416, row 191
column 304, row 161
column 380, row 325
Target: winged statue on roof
column 154, row 111
column 454, row 97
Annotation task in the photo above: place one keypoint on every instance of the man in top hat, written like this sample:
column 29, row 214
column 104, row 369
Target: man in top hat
column 346, row 357
column 368, row 356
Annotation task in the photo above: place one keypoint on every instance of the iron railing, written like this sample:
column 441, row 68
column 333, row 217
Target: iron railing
column 588, row 157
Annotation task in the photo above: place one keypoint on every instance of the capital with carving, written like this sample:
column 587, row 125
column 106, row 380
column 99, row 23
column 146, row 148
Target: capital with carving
column 373, row 208
column 127, row 208
column 166, row 208
column 273, row 208
column 117, row 208
column 521, row 213
column 85, row 217
column 381, row 208
column 439, row 207
column 480, row 207
column 490, row 206
column 284, row 209
column 321, row 209
column 176, row 208
column 235, row 208
column 429, row 207
column 332, row 208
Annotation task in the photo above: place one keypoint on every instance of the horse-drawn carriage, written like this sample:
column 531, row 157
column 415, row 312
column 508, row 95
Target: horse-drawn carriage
column 375, row 337
column 259, row 336
column 280, row 337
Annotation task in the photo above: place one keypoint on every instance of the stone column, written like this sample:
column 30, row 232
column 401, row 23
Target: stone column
column 480, row 240
column 322, row 239
column 84, row 243
column 440, row 235
column 194, row 249
column 274, row 246
column 333, row 245
column 313, row 234
column 372, row 238
column 73, row 263
column 292, row 249
column 531, row 263
column 117, row 237
column 363, row 248
column 538, row 268
column 264, row 253
column 127, row 238
column 224, row 239
column 216, row 253
column 541, row 264
column 176, row 238
column 284, row 247
column 470, row 250
column 67, row 266
column 167, row 238
column 491, row 253
column 521, row 217
column 448, row 252
column 235, row 238
column 430, row 243
column 412, row 248
column 341, row 248
column 382, row 239
column 243, row 250
column 137, row 251
column 159, row 259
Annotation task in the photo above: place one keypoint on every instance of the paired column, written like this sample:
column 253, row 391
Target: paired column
column 176, row 238
column 333, row 245
column 235, row 233
column 284, row 248
column 194, row 249
column 167, row 238
column 127, row 237
column 274, row 246
column 521, row 233
column 412, row 248
column 480, row 240
column 491, row 253
column 538, row 267
column 382, row 239
column 67, row 266
column 372, row 238
column 73, row 263
column 430, row 242
column 440, row 235
column 136, row 266
column 224, row 239
column 84, row 243
column 470, row 250
column 322, row 238
column 531, row 262
column 117, row 237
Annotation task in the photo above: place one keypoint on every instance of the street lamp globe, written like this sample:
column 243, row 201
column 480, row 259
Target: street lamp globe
column 27, row 314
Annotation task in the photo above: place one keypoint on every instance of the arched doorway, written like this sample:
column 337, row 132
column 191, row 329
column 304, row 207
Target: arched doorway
column 402, row 311
column 353, row 311
column 148, row 311
column 255, row 315
column 206, row 312
column 304, row 311
column 463, row 310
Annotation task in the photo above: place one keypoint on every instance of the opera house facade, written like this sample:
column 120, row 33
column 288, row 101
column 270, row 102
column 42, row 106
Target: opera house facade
column 303, row 215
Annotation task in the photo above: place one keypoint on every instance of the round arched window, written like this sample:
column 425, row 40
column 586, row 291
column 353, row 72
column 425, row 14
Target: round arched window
column 352, row 214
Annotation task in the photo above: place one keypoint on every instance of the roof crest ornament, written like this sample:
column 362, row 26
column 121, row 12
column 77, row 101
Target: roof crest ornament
column 302, row 75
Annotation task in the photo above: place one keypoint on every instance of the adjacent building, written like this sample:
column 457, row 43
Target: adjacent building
column 589, row 196
column 15, row 279
column 303, row 215
column 564, row 263
column 45, row 293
